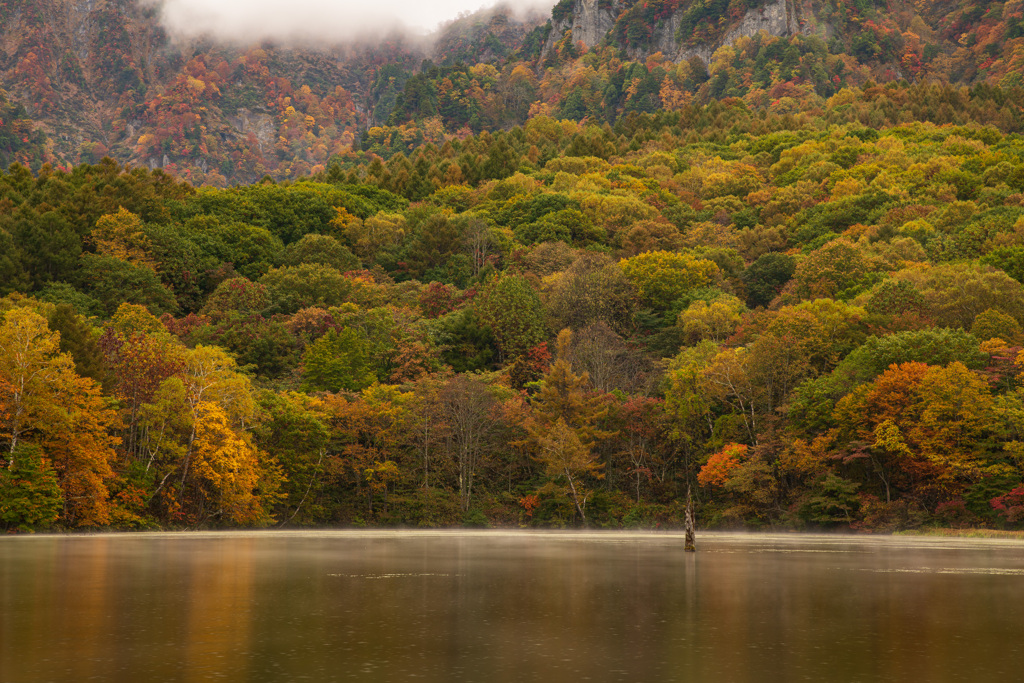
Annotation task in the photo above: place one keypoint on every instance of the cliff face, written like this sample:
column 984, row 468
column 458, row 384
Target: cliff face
column 75, row 64
column 776, row 18
column 101, row 77
column 590, row 24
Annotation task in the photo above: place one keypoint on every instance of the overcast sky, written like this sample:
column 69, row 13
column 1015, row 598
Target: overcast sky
column 329, row 20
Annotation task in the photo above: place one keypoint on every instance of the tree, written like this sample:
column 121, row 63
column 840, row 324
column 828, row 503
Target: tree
column 688, row 408
column 381, row 233
column 226, row 469
column 662, row 277
column 920, row 428
column 766, row 276
column 730, row 379
column 566, row 396
column 831, row 500
column 43, row 402
column 610, row 362
column 589, row 291
column 714, row 321
column 720, row 466
column 428, row 422
column 295, row 433
column 470, row 409
column 429, row 255
column 80, row 339
column 829, row 270
column 121, row 236
column 81, row 448
column 646, row 450
column 47, row 245
column 955, row 294
column 991, row 324
column 322, row 249
column 30, row 497
column 480, row 243
column 567, row 459
column 140, row 355
column 513, row 311
column 235, row 297
column 33, row 373
column 292, row 288
column 337, row 361
column 112, row 281
column 198, row 438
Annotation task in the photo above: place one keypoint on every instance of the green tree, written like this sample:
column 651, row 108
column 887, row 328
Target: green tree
column 337, row 361
column 954, row 294
column 515, row 314
column 662, row 277
column 30, row 497
column 309, row 284
column 112, row 281
column 991, row 324
column 766, row 276
column 322, row 249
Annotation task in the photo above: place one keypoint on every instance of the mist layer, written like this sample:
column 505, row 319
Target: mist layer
column 317, row 20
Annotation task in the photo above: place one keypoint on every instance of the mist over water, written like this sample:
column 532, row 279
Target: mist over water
column 320, row 21
column 508, row 607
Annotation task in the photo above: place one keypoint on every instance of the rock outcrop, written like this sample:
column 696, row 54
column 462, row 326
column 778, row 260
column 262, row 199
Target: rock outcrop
column 590, row 24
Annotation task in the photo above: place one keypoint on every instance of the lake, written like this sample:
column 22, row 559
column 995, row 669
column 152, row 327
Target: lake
column 508, row 606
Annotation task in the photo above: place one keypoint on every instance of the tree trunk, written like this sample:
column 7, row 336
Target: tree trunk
column 691, row 531
column 575, row 498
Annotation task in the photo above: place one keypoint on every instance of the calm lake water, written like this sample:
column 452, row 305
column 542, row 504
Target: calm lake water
column 508, row 606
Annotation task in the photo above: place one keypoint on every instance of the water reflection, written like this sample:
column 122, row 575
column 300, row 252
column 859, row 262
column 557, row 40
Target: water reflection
column 506, row 607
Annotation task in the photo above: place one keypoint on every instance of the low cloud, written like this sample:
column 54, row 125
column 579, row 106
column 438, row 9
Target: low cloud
column 325, row 21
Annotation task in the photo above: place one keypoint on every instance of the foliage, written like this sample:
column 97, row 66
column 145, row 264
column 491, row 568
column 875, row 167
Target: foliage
column 30, row 497
column 785, row 279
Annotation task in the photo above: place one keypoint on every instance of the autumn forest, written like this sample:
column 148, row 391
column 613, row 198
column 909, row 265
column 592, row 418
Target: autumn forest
column 566, row 287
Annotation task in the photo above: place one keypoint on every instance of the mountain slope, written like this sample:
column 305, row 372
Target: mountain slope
column 102, row 77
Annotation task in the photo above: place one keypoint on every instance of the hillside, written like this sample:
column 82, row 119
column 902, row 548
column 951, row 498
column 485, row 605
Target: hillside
column 103, row 78
column 514, row 280
column 807, row 321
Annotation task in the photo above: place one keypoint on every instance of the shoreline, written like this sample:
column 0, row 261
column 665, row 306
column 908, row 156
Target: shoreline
column 719, row 538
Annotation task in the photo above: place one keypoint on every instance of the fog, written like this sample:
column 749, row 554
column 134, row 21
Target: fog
column 326, row 21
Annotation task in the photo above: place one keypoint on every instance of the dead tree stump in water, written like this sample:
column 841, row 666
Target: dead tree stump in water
column 691, row 531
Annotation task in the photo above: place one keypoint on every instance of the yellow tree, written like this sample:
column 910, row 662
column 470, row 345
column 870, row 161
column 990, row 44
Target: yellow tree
column 33, row 373
column 661, row 277
column 713, row 321
column 44, row 402
column 121, row 235
column 210, row 377
column 196, row 440
column 227, row 469
column 921, row 428
column 566, row 396
column 566, row 426
column 569, row 463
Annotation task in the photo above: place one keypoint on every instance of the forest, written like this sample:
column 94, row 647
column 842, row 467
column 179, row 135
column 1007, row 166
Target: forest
column 807, row 319
column 112, row 82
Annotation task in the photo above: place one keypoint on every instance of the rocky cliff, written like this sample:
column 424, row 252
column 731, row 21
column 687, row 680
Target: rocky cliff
column 594, row 21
